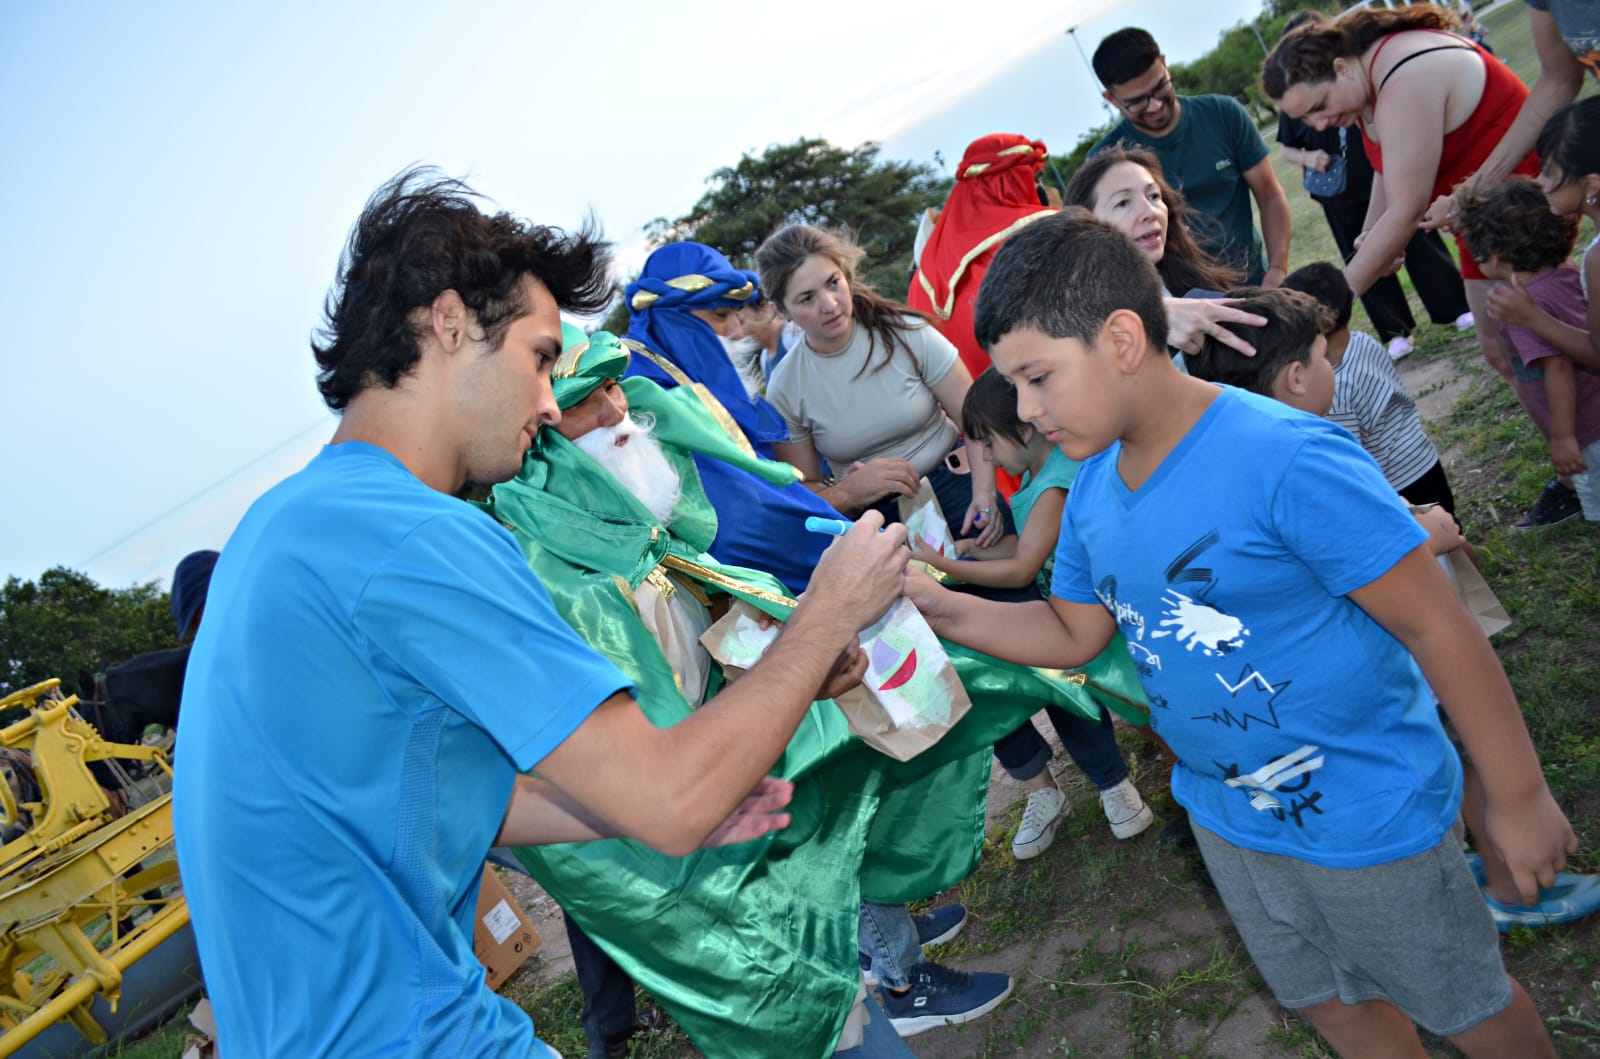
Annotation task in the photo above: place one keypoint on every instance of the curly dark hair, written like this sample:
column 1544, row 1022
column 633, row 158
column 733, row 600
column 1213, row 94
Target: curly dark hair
column 1513, row 222
column 419, row 235
column 1305, row 55
column 1184, row 267
column 1294, row 322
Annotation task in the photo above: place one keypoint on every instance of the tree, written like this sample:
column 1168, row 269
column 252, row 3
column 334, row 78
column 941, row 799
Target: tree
column 65, row 622
column 813, row 182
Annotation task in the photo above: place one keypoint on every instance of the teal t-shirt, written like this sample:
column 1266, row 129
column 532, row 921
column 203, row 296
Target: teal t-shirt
column 1206, row 155
column 1058, row 472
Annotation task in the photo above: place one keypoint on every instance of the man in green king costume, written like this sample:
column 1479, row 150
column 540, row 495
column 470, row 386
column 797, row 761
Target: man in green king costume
column 752, row 948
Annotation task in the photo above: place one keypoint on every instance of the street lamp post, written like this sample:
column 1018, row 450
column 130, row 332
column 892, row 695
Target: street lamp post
column 1072, row 31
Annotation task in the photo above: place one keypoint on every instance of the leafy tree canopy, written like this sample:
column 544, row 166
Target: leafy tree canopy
column 811, row 181
column 64, row 622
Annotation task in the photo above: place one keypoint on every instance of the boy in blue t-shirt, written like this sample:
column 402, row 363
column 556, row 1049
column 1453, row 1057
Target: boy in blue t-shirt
column 1279, row 602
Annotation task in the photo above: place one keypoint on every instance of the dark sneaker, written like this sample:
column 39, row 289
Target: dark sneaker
column 934, row 927
column 1557, row 504
column 939, row 925
column 940, row 996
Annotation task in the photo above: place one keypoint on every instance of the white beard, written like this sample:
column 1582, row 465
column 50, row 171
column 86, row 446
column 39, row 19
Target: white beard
column 634, row 457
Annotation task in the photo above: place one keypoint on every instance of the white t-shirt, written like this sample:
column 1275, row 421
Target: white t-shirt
column 886, row 410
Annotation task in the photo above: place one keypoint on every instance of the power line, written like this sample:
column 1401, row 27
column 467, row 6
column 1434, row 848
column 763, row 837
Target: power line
column 203, row 491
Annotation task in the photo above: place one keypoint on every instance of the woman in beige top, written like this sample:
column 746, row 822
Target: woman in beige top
column 872, row 388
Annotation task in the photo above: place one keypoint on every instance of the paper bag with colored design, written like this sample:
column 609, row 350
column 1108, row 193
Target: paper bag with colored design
column 910, row 696
column 926, row 528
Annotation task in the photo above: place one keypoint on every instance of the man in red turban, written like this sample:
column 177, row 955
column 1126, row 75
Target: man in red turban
column 995, row 195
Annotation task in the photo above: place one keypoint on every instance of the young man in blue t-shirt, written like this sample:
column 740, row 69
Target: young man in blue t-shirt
column 378, row 665
column 1279, row 601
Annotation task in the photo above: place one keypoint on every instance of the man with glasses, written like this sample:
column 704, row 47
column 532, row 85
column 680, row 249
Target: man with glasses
column 1209, row 148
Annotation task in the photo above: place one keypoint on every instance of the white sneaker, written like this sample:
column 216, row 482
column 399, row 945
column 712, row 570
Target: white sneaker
column 1125, row 810
column 1466, row 322
column 1040, row 818
column 1399, row 346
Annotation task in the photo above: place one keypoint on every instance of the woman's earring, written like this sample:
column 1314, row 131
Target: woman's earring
column 1593, row 200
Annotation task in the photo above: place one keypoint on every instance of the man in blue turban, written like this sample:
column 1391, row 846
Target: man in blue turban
column 682, row 304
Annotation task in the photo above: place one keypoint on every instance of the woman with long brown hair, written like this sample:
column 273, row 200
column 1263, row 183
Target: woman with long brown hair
column 872, row 387
column 1124, row 187
column 1438, row 101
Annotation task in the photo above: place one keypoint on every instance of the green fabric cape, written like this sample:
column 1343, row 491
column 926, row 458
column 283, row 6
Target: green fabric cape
column 752, row 948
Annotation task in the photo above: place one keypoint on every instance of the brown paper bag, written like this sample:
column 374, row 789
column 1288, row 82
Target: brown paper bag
column 926, row 528
column 910, row 696
column 1475, row 592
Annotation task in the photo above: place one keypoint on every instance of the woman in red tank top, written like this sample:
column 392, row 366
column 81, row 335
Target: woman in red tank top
column 1439, row 102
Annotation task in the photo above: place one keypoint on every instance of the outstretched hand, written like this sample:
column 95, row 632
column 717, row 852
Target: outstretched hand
column 1510, row 303
column 846, row 673
column 757, row 815
column 929, row 597
column 1190, row 321
column 1442, row 214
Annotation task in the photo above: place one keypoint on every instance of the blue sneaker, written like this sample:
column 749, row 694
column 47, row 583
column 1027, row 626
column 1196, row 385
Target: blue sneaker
column 1572, row 897
column 934, row 927
column 939, row 925
column 940, row 996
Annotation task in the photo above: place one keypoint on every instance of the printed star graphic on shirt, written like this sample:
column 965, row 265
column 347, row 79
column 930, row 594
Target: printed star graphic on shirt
column 1257, row 697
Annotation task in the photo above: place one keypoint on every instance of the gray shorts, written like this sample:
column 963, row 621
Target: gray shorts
column 1414, row 932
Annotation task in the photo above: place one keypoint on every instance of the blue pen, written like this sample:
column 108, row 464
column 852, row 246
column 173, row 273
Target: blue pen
column 834, row 527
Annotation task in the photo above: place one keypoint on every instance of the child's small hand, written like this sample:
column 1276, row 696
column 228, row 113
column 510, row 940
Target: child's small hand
column 1444, row 533
column 1566, row 456
column 1534, row 838
column 1510, row 304
column 965, row 547
column 928, row 596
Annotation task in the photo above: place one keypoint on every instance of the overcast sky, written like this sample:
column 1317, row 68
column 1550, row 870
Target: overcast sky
column 182, row 176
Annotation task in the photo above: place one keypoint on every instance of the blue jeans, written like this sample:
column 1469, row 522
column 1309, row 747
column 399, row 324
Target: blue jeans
column 1092, row 746
column 880, row 1041
column 889, row 939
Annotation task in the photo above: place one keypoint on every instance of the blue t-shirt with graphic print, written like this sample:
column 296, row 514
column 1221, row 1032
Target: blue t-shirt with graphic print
column 1302, row 727
column 376, row 663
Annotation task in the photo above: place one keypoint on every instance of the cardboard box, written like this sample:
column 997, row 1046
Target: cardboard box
column 502, row 935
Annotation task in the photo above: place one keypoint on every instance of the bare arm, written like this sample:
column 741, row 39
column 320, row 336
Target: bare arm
column 1509, row 303
column 1053, row 635
column 1276, row 225
column 1561, row 390
column 671, row 787
column 1034, row 546
column 540, row 814
column 1560, row 78
column 1412, row 118
column 951, row 393
column 1414, row 602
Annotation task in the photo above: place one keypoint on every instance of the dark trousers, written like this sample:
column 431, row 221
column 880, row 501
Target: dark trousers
column 608, row 1007
column 1092, row 746
column 1432, row 488
column 1432, row 270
